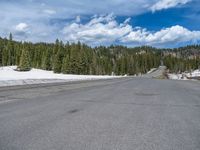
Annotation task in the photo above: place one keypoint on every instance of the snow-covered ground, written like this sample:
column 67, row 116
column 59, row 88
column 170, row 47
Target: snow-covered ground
column 152, row 70
column 176, row 77
column 195, row 73
column 185, row 76
column 8, row 77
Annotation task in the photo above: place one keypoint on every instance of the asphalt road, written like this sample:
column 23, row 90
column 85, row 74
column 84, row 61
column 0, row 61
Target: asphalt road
column 157, row 73
column 119, row 114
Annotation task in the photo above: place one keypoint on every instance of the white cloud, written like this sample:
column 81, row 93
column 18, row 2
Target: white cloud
column 165, row 4
column 105, row 29
column 21, row 27
column 49, row 11
column 102, row 29
column 127, row 20
column 174, row 34
column 40, row 21
column 21, row 31
column 78, row 19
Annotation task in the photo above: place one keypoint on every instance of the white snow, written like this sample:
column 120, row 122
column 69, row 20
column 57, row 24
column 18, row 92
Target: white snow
column 195, row 73
column 152, row 70
column 184, row 76
column 8, row 76
column 176, row 77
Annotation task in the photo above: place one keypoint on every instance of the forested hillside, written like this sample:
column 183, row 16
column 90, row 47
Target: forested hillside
column 182, row 59
column 79, row 58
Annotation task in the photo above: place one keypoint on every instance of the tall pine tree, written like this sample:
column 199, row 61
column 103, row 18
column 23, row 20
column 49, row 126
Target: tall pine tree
column 24, row 61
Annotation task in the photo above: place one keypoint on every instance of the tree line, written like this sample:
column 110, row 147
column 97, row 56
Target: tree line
column 79, row 58
column 182, row 59
column 179, row 65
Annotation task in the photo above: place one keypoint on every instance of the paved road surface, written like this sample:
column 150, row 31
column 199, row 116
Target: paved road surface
column 119, row 114
column 157, row 73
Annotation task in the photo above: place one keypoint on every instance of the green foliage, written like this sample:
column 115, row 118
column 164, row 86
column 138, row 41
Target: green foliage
column 178, row 65
column 46, row 61
column 24, row 64
column 78, row 58
column 65, row 65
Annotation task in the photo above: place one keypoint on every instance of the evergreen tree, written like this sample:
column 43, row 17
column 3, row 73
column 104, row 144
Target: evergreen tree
column 5, row 55
column 57, row 62
column 46, row 60
column 24, row 61
column 78, row 58
column 11, row 50
column 65, row 65
column 55, row 52
column 74, row 65
column 1, row 56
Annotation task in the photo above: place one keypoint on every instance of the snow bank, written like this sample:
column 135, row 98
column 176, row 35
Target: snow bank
column 185, row 76
column 152, row 70
column 195, row 73
column 176, row 77
column 8, row 76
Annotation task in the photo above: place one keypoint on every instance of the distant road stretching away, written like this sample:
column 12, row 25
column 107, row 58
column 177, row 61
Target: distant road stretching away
column 117, row 114
column 157, row 73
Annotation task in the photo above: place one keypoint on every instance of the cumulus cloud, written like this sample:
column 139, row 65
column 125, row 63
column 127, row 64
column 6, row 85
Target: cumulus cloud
column 177, row 34
column 67, row 19
column 100, row 29
column 165, row 4
column 21, row 31
column 21, row 27
column 105, row 29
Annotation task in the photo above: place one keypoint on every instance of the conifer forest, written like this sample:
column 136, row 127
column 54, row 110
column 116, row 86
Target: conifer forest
column 79, row 58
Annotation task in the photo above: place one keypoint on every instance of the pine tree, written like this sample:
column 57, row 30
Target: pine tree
column 10, row 52
column 55, row 52
column 24, row 61
column 81, row 59
column 1, row 56
column 46, row 60
column 5, row 55
column 57, row 63
column 65, row 65
column 74, row 65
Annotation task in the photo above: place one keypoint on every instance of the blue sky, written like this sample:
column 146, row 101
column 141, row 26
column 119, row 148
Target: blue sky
column 160, row 23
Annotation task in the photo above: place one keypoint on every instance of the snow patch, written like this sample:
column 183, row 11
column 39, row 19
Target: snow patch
column 8, row 77
column 176, row 77
column 152, row 70
column 185, row 76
